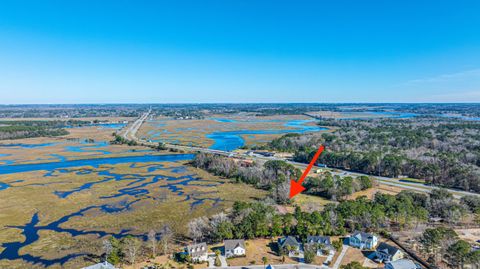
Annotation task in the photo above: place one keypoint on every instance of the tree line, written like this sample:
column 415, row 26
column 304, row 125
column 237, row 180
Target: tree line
column 273, row 175
column 131, row 249
column 29, row 129
column 443, row 152
column 249, row 220
column 259, row 219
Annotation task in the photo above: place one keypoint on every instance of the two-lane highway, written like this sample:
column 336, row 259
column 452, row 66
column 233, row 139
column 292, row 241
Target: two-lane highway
column 131, row 131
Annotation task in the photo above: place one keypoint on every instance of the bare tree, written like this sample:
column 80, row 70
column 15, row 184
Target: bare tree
column 166, row 235
column 107, row 248
column 133, row 246
column 152, row 239
column 198, row 228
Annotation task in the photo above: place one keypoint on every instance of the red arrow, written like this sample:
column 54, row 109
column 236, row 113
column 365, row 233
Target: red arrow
column 296, row 186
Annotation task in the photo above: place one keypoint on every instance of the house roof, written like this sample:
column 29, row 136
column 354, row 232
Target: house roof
column 270, row 267
column 387, row 249
column 402, row 264
column 196, row 250
column 362, row 236
column 319, row 239
column 288, row 241
column 233, row 244
column 102, row 265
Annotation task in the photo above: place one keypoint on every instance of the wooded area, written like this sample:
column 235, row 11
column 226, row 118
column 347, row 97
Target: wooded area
column 443, row 152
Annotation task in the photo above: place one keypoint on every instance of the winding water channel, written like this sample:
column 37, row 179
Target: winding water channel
column 101, row 168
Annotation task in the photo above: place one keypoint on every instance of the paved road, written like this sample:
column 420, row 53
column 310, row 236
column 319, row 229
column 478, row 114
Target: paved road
column 279, row 266
column 131, row 130
column 411, row 186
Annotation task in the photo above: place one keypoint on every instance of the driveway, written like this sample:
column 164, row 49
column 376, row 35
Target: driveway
column 340, row 257
column 211, row 261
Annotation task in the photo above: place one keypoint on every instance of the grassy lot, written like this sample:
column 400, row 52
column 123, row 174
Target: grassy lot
column 310, row 202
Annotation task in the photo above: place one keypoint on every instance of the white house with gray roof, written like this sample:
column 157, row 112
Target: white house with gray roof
column 234, row 248
column 198, row 252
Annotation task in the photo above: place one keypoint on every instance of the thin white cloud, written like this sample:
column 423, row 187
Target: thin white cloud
column 457, row 96
column 459, row 76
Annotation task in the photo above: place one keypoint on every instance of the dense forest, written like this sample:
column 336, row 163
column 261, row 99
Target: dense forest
column 27, row 129
column 443, row 152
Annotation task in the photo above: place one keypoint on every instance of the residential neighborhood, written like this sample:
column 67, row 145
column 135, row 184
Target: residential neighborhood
column 367, row 249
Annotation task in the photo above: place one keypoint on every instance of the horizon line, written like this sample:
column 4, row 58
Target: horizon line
column 228, row 103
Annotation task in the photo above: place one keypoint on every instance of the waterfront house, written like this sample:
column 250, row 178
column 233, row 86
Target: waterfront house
column 198, row 252
column 363, row 240
column 234, row 248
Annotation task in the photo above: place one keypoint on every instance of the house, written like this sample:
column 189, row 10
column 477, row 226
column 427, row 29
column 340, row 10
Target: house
column 363, row 240
column 289, row 244
column 270, row 267
column 401, row 264
column 234, row 248
column 322, row 243
column 102, row 265
column 387, row 253
column 198, row 252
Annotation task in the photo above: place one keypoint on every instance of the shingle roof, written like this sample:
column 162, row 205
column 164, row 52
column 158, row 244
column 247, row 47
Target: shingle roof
column 362, row 236
column 403, row 264
column 232, row 244
column 387, row 249
column 288, row 241
column 196, row 250
column 319, row 239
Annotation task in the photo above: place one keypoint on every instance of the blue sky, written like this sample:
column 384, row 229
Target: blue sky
column 239, row 51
